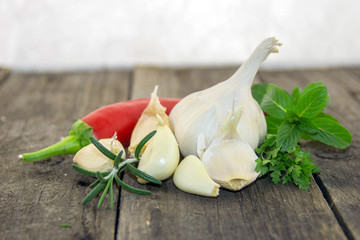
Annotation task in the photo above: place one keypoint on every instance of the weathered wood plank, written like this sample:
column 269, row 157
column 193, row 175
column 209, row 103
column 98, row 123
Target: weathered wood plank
column 4, row 73
column 339, row 176
column 36, row 110
column 260, row 211
column 176, row 82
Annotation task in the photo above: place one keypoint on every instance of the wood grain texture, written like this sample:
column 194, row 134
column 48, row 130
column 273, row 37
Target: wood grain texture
column 176, row 82
column 36, row 110
column 260, row 211
column 4, row 73
column 339, row 176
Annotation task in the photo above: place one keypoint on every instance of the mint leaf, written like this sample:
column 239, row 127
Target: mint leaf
column 312, row 102
column 310, row 87
column 307, row 125
column 273, row 124
column 296, row 95
column 288, row 136
column 276, row 102
column 258, row 91
column 331, row 133
column 291, row 116
column 325, row 115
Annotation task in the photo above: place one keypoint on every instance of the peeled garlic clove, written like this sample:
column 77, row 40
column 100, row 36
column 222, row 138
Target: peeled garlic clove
column 191, row 177
column 161, row 156
column 229, row 160
column 91, row 159
column 148, row 122
column 204, row 111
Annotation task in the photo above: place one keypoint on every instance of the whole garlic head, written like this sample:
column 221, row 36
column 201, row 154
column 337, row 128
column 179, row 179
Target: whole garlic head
column 202, row 112
column 229, row 160
column 91, row 159
column 161, row 156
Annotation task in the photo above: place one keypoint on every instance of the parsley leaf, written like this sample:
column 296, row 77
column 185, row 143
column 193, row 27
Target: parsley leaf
column 293, row 165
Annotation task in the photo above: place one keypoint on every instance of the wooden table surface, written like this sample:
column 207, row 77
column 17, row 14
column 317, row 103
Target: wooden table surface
column 36, row 198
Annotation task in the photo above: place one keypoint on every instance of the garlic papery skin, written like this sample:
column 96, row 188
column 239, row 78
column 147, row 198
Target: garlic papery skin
column 161, row 156
column 148, row 122
column 191, row 177
column 91, row 159
column 229, row 160
column 202, row 112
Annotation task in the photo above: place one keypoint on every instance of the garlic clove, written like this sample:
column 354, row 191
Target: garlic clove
column 191, row 177
column 202, row 112
column 148, row 122
column 91, row 159
column 229, row 160
column 161, row 156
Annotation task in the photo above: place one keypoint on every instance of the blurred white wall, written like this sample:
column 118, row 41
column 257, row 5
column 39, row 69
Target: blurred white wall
column 85, row 34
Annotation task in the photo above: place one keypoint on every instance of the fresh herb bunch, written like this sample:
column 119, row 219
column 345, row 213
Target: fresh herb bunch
column 292, row 117
column 105, row 179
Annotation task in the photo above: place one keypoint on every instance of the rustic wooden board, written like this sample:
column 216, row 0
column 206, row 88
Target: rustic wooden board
column 260, row 211
column 4, row 73
column 35, row 111
column 339, row 178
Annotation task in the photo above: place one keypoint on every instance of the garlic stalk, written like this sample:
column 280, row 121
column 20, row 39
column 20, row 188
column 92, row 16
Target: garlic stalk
column 197, row 116
column 148, row 121
column 229, row 160
column 161, row 156
column 191, row 177
column 91, row 159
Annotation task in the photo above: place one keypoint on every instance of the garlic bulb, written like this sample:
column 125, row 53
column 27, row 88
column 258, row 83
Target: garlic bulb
column 161, row 156
column 148, row 121
column 91, row 159
column 191, row 176
column 201, row 113
column 229, row 160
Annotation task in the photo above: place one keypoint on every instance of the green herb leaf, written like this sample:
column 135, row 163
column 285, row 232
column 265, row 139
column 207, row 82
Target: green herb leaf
column 143, row 175
column 325, row 115
column 307, row 125
column 311, row 86
column 273, row 124
column 291, row 116
column 118, row 159
column 312, row 102
column 142, row 143
column 261, row 167
column 103, row 149
column 276, row 102
column 258, row 91
column 93, row 193
column 104, row 192
column 95, row 183
column 296, row 95
column 86, row 172
column 331, row 133
column 131, row 189
column 65, row 225
column 288, row 136
column 100, row 177
column 111, row 194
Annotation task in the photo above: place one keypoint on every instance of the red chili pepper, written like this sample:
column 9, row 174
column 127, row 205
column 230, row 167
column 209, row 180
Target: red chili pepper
column 102, row 123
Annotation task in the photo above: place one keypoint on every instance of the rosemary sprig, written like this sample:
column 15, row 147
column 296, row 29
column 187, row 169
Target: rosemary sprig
column 104, row 181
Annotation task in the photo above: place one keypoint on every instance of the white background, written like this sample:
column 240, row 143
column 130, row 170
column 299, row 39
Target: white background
column 56, row 35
